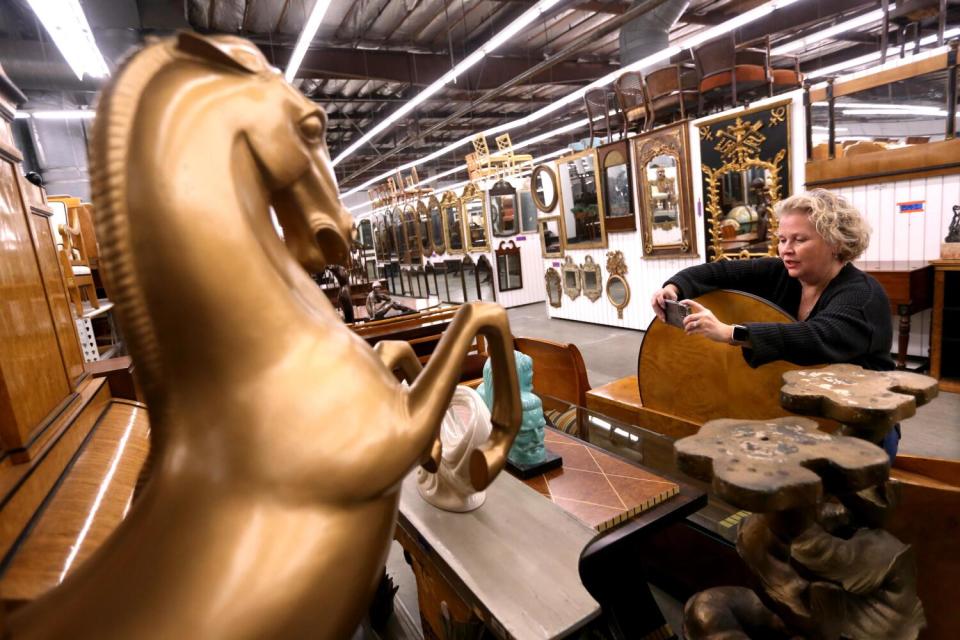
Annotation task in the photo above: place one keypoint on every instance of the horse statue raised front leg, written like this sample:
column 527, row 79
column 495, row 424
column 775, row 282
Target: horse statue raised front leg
column 279, row 438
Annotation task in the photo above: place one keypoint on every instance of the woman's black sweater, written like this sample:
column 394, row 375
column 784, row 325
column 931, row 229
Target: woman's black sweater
column 851, row 321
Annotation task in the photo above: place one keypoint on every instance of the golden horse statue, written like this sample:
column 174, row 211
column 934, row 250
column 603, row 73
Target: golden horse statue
column 279, row 438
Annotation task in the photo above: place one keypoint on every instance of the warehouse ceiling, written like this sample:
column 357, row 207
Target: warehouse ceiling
column 370, row 56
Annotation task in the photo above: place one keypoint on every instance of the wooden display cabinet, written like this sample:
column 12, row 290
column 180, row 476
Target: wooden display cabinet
column 945, row 334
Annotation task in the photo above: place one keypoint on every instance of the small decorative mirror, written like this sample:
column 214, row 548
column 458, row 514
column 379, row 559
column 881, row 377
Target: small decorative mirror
column 543, row 183
column 591, row 279
column 617, row 191
column 436, row 226
column 423, row 222
column 503, row 209
column 550, row 244
column 475, row 219
column 509, row 271
column 485, row 280
column 571, row 278
column 581, row 209
column 666, row 212
column 411, row 229
column 452, row 222
column 528, row 212
column 618, row 291
column 554, row 290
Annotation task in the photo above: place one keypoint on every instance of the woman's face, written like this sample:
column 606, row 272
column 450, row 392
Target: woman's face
column 805, row 254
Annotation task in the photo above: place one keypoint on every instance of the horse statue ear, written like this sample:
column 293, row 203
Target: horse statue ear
column 230, row 52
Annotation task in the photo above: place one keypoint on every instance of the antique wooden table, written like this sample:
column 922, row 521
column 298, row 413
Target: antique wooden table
column 909, row 285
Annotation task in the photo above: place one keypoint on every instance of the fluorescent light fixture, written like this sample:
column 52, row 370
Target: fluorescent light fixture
column 525, row 19
column 67, row 25
column 892, row 52
column 306, row 37
column 820, row 36
column 818, row 127
column 59, row 114
column 893, row 112
column 702, row 36
column 21, row 115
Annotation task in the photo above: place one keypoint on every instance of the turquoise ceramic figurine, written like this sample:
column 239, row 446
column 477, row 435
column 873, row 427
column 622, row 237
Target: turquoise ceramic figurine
column 528, row 448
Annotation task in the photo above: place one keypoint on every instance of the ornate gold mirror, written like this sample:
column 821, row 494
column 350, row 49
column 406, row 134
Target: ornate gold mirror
column 580, row 205
column 543, row 185
column 503, row 209
column 617, row 186
column 550, row 244
column 618, row 290
column 554, row 287
column 423, row 228
column 452, row 222
column 591, row 279
column 666, row 209
column 411, row 229
column 571, row 278
column 509, row 267
column 395, row 240
column 475, row 219
column 436, row 226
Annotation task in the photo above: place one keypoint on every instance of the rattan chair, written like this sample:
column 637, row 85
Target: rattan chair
column 632, row 101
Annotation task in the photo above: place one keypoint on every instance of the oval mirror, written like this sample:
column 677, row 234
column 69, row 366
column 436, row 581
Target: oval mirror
column 543, row 183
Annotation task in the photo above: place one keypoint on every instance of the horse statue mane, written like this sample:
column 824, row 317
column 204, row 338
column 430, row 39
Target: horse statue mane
column 278, row 437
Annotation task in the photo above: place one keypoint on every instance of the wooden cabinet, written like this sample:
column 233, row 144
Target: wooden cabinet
column 945, row 333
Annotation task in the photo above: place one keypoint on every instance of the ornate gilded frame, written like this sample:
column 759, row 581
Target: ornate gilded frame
column 472, row 192
column 590, row 267
column 672, row 141
column 423, row 227
column 541, row 227
column 552, row 278
column 572, row 278
column 411, row 220
column 617, row 270
column 439, row 247
column 449, row 199
column 617, row 223
column 561, row 162
column 540, row 204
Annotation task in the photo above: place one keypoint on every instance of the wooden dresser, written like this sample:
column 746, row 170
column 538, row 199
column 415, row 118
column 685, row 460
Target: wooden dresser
column 945, row 329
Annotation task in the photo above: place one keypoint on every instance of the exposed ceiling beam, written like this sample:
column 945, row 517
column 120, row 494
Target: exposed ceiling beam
column 445, row 98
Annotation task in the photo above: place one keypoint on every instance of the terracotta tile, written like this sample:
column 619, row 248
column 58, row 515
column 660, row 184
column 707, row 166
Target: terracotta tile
column 575, row 456
column 586, row 487
column 589, row 514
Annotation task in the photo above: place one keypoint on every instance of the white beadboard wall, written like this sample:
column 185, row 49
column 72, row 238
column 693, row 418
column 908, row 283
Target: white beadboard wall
column 907, row 236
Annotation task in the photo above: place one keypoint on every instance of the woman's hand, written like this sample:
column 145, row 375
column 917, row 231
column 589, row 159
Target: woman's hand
column 669, row 292
column 702, row 322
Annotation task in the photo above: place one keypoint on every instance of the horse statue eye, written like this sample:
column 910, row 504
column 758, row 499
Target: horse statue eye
column 311, row 128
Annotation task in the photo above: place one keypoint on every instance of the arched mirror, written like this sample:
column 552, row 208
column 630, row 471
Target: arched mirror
column 509, row 267
column 550, row 244
column 571, row 278
column 470, row 283
column 591, row 279
column 366, row 233
column 543, row 185
column 436, row 226
column 528, row 212
column 400, row 236
column 411, row 227
column 503, row 209
column 485, row 280
column 474, row 207
column 617, row 186
column 452, row 222
column 389, row 237
column 554, row 287
column 618, row 290
column 666, row 212
column 423, row 220
column 580, row 205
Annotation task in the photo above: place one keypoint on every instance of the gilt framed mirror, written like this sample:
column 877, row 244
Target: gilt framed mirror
column 411, row 227
column 503, row 209
column 474, row 207
column 617, row 186
column 571, row 278
column 400, row 236
column 452, row 222
column 543, row 187
column 509, row 266
column 423, row 229
column 666, row 206
column 591, row 279
column 554, row 287
column 618, row 289
column 437, row 238
column 550, row 244
column 581, row 208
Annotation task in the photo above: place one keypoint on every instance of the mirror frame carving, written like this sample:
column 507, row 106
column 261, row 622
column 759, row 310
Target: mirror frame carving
column 670, row 141
column 569, row 266
column 538, row 203
column 439, row 248
column 450, row 199
column 551, row 276
column 617, row 270
column 423, row 228
column 512, row 250
column 590, row 266
column 543, row 236
column 472, row 192
column 573, row 157
column 618, row 223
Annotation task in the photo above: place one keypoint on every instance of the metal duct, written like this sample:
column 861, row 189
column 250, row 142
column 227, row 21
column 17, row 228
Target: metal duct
column 650, row 32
